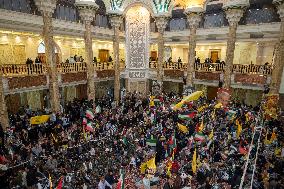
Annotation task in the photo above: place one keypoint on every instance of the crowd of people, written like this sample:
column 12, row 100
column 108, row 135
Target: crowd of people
column 197, row 146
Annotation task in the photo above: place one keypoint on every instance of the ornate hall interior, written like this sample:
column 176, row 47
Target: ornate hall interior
column 55, row 51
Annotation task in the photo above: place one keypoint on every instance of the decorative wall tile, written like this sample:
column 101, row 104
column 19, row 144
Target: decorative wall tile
column 173, row 73
column 250, row 79
column 105, row 73
column 73, row 77
column 207, row 76
column 26, row 82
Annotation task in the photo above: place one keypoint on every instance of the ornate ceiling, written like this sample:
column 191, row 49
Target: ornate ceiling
column 159, row 6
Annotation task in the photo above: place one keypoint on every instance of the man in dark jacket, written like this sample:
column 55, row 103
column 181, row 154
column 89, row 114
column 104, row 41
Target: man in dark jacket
column 109, row 178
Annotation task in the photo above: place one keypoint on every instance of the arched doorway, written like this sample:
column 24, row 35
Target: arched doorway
column 41, row 53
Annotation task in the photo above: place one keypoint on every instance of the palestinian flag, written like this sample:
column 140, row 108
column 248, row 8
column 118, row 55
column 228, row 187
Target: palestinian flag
column 152, row 141
column 187, row 115
column 89, row 114
column 120, row 184
column 199, row 137
column 89, row 127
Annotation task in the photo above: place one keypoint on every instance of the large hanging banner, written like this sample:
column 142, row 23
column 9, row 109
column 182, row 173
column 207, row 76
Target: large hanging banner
column 137, row 41
column 223, row 96
column 156, row 88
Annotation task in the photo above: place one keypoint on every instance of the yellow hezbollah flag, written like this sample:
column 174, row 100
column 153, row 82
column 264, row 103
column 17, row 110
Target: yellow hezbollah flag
column 211, row 135
column 178, row 105
column 151, row 103
column 239, row 129
column 194, row 96
column 219, row 105
column 201, row 127
column 143, row 167
column 273, row 137
column 200, row 109
column 182, row 128
column 266, row 142
column 193, row 165
column 169, row 166
column 50, row 181
column 151, row 163
column 39, row 119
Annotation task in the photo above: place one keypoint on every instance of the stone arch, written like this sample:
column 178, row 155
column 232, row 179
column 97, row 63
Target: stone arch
column 57, row 50
column 128, row 4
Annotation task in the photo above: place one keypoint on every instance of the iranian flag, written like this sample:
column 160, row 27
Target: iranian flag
column 89, row 127
column 85, row 121
column 199, row 137
column 173, row 142
column 120, row 184
column 89, row 114
column 187, row 115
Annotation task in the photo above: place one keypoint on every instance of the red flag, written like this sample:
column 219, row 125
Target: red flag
column 60, row 184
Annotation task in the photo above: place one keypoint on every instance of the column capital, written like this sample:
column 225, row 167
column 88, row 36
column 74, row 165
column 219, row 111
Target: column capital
column 161, row 23
column 234, row 15
column 87, row 9
column 47, row 7
column 280, row 8
column 236, row 4
column 116, row 20
column 193, row 19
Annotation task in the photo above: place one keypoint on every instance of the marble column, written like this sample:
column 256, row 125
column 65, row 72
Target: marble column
column 87, row 13
column 161, row 23
column 47, row 8
column 193, row 20
column 279, row 53
column 116, row 21
column 233, row 16
column 4, row 119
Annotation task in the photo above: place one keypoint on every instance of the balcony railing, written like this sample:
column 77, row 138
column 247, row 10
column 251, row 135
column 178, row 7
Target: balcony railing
column 41, row 69
column 252, row 69
column 212, row 67
column 169, row 65
column 72, row 67
column 23, row 69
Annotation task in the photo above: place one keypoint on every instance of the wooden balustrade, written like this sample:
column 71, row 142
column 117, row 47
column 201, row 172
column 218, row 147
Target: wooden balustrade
column 103, row 65
column 169, row 65
column 72, row 67
column 212, row 67
column 22, row 69
column 40, row 69
column 252, row 69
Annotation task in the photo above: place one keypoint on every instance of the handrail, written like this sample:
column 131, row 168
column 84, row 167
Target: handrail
column 252, row 69
column 209, row 67
column 41, row 69
column 23, row 69
column 72, row 67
